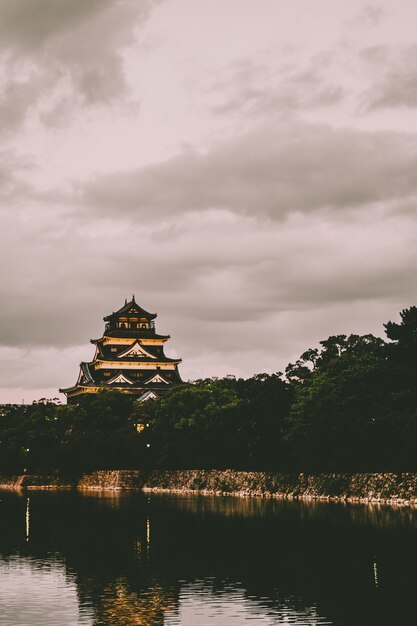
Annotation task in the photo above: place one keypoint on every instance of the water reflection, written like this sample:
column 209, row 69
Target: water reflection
column 37, row 593
column 376, row 574
column 126, row 560
column 202, row 604
column 27, row 518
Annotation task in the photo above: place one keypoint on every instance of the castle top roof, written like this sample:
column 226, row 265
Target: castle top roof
column 130, row 308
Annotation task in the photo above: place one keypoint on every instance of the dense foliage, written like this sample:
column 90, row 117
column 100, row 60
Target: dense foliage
column 46, row 437
column 350, row 405
column 220, row 423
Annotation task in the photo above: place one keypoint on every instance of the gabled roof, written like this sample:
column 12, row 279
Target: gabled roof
column 130, row 308
column 148, row 395
column 157, row 378
column 120, row 378
column 136, row 349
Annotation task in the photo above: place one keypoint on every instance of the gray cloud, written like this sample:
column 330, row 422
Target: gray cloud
column 370, row 16
column 270, row 171
column 28, row 25
column 14, row 187
column 394, row 77
column 203, row 272
column 63, row 55
column 256, row 90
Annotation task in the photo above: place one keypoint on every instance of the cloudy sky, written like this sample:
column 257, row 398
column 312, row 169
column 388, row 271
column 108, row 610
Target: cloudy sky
column 248, row 168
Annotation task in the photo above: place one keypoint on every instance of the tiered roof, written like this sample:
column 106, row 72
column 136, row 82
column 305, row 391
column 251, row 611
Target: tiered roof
column 131, row 308
column 129, row 357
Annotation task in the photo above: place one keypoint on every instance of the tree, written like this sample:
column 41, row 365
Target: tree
column 336, row 422
column 403, row 349
column 219, row 423
column 402, row 407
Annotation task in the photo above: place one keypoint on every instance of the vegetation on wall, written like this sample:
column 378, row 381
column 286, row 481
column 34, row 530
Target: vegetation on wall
column 348, row 406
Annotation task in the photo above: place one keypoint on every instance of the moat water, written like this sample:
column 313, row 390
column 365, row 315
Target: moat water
column 69, row 559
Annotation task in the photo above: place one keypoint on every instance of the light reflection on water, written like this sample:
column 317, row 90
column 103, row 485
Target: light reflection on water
column 199, row 605
column 36, row 593
column 128, row 560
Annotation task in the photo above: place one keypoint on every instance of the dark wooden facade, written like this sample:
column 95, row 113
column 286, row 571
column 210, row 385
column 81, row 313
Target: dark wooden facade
column 129, row 357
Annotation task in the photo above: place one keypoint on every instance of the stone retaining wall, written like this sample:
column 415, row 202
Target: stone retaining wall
column 382, row 488
column 399, row 489
column 28, row 481
column 112, row 480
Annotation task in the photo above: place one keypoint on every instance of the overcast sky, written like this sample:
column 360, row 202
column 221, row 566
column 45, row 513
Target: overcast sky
column 248, row 168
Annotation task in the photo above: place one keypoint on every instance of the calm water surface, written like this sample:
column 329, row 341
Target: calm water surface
column 71, row 559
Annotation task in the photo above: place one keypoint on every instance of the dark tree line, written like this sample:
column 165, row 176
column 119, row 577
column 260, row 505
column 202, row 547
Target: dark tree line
column 69, row 439
column 350, row 405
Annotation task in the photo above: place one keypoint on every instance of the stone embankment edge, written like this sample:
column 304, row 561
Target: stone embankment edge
column 30, row 482
column 383, row 488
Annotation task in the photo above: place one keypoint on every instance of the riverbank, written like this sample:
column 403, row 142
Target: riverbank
column 384, row 488
column 28, row 481
column 105, row 480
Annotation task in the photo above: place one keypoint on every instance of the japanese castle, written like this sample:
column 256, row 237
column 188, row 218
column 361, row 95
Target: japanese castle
column 129, row 357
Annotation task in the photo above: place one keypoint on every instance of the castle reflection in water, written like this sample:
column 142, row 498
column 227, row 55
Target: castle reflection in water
column 153, row 560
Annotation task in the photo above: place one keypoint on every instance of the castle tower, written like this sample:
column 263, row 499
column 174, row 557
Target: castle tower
column 129, row 357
